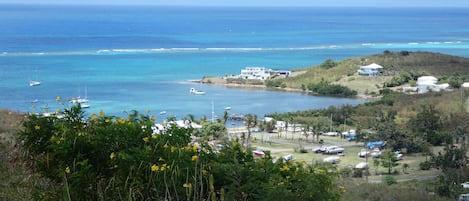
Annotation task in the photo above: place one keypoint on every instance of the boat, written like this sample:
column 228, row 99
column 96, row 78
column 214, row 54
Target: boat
column 33, row 83
column 228, row 108
column 85, row 105
column 162, row 112
column 196, row 92
column 78, row 100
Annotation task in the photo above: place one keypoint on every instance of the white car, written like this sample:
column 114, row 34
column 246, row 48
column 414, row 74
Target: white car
column 361, row 165
column 331, row 134
column 363, row 153
column 465, row 185
column 332, row 159
column 334, row 150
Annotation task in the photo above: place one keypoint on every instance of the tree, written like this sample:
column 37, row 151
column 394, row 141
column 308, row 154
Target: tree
column 250, row 121
column 328, row 63
column 225, row 116
column 213, row 130
column 428, row 124
column 388, row 160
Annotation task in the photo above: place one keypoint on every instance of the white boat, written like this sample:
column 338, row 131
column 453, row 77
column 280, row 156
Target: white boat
column 162, row 112
column 228, row 108
column 78, row 100
column 33, row 83
column 85, row 105
column 196, row 92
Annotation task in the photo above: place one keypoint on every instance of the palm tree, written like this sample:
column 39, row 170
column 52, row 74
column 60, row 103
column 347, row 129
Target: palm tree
column 250, row 121
column 225, row 116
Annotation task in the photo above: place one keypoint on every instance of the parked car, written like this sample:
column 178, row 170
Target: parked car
column 375, row 153
column 399, row 156
column 334, row 150
column 363, row 153
column 465, row 184
column 330, row 134
column 332, row 159
column 320, row 149
column 361, row 165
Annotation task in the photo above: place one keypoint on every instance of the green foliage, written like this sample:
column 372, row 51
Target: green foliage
column 112, row 158
column 428, row 124
column 329, row 63
column 425, row 165
column 213, row 130
column 327, row 89
column 389, row 180
column 388, row 160
column 273, row 83
column 404, row 78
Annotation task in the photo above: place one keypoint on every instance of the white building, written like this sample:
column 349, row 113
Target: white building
column 429, row 83
column 255, row 73
column 370, row 70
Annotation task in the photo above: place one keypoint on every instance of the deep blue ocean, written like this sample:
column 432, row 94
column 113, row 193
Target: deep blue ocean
column 125, row 58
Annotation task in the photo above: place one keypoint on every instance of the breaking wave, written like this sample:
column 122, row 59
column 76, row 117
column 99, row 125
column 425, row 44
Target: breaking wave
column 429, row 44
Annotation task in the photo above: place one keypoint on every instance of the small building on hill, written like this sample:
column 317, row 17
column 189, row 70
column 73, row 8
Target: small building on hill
column 371, row 70
column 429, row 83
column 255, row 73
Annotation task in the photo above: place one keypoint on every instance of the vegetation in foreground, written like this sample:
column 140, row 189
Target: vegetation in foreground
column 110, row 158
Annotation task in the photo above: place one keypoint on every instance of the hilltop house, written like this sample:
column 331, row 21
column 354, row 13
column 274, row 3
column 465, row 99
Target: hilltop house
column 429, row 83
column 370, row 70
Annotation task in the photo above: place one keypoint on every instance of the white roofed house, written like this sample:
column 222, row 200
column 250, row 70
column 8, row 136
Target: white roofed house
column 255, row 73
column 371, row 70
column 429, row 83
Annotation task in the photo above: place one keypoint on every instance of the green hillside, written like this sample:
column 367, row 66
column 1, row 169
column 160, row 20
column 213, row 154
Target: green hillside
column 344, row 72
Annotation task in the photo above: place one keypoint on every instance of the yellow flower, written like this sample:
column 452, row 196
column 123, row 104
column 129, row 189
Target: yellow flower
column 112, row 156
column 160, row 159
column 57, row 111
column 67, row 170
column 187, row 148
column 153, row 118
column 146, row 139
column 319, row 171
column 121, row 121
column 154, row 136
column 173, row 148
column 154, row 168
column 148, row 110
column 37, row 127
column 94, row 117
column 284, row 168
column 165, row 146
column 195, row 147
column 101, row 113
column 58, row 99
column 107, row 120
column 204, row 172
column 187, row 185
column 342, row 189
column 195, row 157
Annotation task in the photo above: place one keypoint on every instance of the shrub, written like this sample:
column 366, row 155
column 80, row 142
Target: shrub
column 389, row 180
column 112, row 158
column 425, row 165
column 329, row 63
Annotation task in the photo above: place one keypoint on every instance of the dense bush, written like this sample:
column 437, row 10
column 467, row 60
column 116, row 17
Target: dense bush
column 111, row 158
column 329, row 63
column 328, row 89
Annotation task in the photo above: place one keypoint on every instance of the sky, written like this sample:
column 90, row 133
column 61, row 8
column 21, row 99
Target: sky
column 314, row 3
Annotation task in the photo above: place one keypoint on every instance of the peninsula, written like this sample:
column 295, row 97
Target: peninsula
column 399, row 69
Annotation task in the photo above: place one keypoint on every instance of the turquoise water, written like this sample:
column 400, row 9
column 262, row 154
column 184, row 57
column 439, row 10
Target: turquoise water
column 139, row 58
